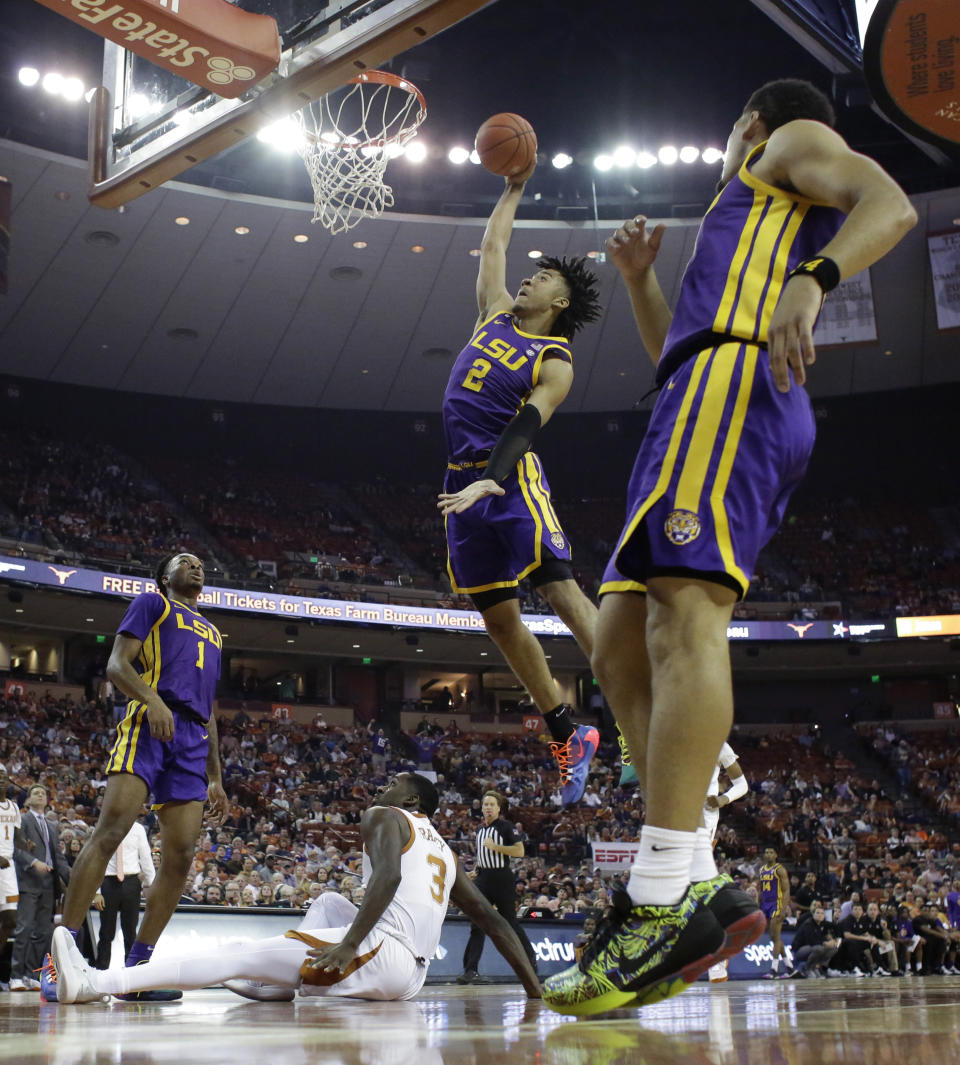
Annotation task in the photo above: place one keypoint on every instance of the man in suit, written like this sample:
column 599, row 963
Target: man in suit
column 42, row 873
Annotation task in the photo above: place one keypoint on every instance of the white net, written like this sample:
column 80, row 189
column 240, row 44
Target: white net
column 348, row 137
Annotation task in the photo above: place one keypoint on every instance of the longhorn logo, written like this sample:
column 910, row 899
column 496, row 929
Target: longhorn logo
column 62, row 574
column 800, row 630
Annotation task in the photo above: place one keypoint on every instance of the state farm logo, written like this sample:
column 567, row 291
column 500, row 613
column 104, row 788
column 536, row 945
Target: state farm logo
column 223, row 71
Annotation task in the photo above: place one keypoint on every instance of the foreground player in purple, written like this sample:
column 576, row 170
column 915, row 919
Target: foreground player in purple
column 501, row 527
column 166, row 657
column 728, row 441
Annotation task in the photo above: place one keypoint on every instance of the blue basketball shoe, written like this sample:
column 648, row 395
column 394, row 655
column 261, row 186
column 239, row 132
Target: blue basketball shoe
column 573, row 759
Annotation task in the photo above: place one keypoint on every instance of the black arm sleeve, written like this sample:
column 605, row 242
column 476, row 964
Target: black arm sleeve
column 513, row 442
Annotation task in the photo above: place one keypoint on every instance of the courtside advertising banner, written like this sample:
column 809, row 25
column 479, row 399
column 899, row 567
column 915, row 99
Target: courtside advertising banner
column 614, row 857
column 347, row 612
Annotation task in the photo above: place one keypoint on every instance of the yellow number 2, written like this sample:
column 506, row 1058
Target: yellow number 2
column 479, row 370
column 439, row 877
column 200, row 647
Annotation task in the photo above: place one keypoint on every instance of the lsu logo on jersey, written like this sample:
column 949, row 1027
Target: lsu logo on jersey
column 557, row 540
column 682, row 527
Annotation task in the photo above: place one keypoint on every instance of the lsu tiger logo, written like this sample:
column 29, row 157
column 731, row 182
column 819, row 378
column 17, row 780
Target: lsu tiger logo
column 682, row 527
column 557, row 540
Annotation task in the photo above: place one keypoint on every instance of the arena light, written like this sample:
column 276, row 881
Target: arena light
column 285, row 135
column 88, row 96
column 535, row 254
column 72, row 89
column 458, row 155
column 668, row 155
column 645, row 160
column 711, row 156
column 28, row 76
column 689, row 154
column 52, row 83
column 474, row 158
column 624, row 156
column 561, row 160
column 603, row 162
column 416, row 152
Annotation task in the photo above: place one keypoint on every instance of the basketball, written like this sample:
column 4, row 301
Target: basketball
column 506, row 144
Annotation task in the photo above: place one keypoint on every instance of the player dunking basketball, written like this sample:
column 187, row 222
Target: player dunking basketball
column 728, row 440
column 501, row 527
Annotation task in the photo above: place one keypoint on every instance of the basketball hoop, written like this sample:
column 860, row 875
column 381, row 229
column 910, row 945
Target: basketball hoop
column 349, row 136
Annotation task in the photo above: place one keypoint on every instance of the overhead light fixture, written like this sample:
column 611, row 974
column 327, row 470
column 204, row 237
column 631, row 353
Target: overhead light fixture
column 285, row 135
column 52, row 83
column 535, row 254
column 711, row 156
column 645, row 160
column 689, row 154
column 88, row 95
column 603, row 162
column 241, row 231
column 416, row 152
column 72, row 89
column 356, row 647
column 182, row 220
column 668, row 155
column 419, row 650
column 300, row 238
column 89, row 619
column 291, row 640
column 28, row 76
column 359, row 243
column 458, row 155
column 417, row 249
column 19, row 610
column 474, row 157
column 624, row 156
column 475, row 252
column 561, row 160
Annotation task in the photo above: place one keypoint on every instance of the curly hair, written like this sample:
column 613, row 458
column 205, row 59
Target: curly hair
column 161, row 570
column 584, row 303
column 780, row 102
column 426, row 792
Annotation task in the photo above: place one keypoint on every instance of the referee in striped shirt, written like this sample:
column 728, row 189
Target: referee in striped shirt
column 497, row 843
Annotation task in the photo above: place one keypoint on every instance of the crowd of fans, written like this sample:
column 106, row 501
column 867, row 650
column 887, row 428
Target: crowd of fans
column 299, row 532
column 298, row 791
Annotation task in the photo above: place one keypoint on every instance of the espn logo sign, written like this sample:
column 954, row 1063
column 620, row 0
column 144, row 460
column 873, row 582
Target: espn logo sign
column 209, row 42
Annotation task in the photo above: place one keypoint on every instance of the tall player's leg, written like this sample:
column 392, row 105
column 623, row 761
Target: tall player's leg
column 180, row 824
column 123, row 800
column 622, row 669
column 574, row 609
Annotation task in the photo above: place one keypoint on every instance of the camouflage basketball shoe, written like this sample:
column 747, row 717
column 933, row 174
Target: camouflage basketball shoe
column 736, row 912
column 639, row 955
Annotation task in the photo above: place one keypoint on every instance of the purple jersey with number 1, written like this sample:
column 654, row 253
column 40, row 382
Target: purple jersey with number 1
column 180, row 659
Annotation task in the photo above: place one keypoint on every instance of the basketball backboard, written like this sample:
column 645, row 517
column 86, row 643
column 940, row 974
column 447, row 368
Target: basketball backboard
column 147, row 125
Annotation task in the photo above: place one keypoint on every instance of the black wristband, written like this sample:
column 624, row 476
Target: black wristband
column 824, row 271
column 515, row 439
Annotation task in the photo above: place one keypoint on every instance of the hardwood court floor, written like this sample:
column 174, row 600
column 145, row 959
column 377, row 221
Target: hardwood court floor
column 853, row 1022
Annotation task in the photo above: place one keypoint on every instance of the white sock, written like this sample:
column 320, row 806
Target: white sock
column 273, row 961
column 703, row 866
column 775, row 964
column 661, row 873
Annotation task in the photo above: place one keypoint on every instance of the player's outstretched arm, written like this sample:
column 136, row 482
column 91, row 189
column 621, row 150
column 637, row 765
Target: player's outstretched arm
column 466, row 896
column 633, row 251
column 816, row 162
column 120, row 671
column 492, row 294
column 385, row 833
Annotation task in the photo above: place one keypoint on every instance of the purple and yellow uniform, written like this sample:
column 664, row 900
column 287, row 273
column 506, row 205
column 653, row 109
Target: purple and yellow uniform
column 500, row 539
column 724, row 449
column 771, row 899
column 180, row 659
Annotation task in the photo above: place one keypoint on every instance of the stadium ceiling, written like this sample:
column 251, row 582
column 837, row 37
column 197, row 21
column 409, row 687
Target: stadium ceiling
column 134, row 301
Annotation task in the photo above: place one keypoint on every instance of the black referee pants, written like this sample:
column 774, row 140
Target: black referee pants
column 498, row 887
column 119, row 897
